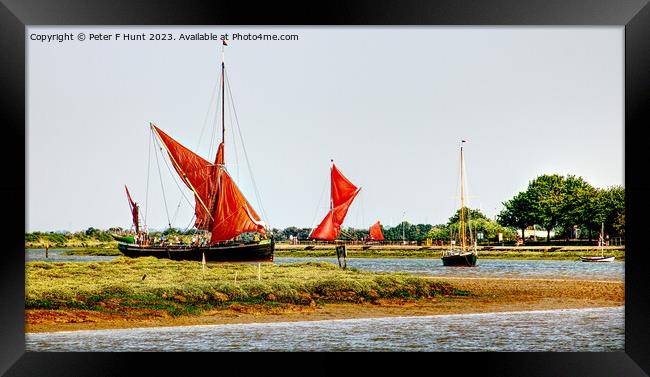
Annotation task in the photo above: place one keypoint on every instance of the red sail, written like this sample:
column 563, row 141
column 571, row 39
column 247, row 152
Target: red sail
column 327, row 230
column 375, row 232
column 342, row 188
column 197, row 173
column 342, row 210
column 343, row 193
column 219, row 160
column 233, row 213
column 134, row 210
column 229, row 213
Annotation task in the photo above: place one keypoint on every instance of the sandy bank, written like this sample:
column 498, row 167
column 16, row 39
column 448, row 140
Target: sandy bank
column 488, row 295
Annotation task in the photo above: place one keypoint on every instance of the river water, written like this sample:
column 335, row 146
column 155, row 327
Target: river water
column 56, row 255
column 590, row 330
column 573, row 330
column 551, row 269
column 497, row 268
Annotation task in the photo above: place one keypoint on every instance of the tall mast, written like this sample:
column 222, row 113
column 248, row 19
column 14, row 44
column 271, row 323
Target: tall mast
column 331, row 186
column 602, row 239
column 223, row 91
column 462, row 198
column 403, row 231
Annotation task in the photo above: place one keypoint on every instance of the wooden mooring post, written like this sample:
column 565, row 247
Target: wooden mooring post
column 341, row 253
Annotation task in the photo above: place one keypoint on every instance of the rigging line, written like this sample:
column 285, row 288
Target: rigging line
column 163, row 190
column 313, row 222
column 174, row 178
column 176, row 213
column 187, row 181
column 190, row 224
column 232, row 133
column 361, row 214
column 207, row 113
column 250, row 170
column 453, row 211
column 469, row 224
column 146, row 197
column 215, row 121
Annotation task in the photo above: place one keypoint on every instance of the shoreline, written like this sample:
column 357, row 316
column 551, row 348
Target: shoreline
column 505, row 253
column 488, row 295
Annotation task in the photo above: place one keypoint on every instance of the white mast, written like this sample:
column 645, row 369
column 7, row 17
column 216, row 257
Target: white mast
column 462, row 199
column 403, row 231
column 602, row 239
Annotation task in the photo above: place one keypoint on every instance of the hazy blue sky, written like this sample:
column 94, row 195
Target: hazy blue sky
column 388, row 104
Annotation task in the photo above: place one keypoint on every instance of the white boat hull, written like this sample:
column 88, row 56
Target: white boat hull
column 597, row 259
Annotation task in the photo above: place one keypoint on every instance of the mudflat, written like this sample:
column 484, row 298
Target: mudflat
column 487, row 295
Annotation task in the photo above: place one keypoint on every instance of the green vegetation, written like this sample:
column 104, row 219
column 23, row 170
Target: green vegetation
column 558, row 203
column 93, row 251
column 182, row 288
column 91, row 237
column 478, row 222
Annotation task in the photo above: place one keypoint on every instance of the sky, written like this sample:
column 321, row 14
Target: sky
column 388, row 104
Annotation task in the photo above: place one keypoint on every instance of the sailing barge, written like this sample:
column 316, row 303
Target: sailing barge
column 220, row 208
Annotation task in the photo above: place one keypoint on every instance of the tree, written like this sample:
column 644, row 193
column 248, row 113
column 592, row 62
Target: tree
column 614, row 202
column 406, row 231
column 519, row 212
column 291, row 231
column 92, row 232
column 172, row 232
column 547, row 192
column 438, row 232
column 473, row 214
column 575, row 204
column 619, row 225
column 595, row 212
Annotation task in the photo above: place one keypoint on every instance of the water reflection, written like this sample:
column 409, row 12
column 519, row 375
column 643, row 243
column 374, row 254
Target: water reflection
column 553, row 269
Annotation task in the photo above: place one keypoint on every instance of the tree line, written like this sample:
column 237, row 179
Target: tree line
column 566, row 205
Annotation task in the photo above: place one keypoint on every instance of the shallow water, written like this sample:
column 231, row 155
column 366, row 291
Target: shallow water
column 56, row 255
column 553, row 269
column 573, row 330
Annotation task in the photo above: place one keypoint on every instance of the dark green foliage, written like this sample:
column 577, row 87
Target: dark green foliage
column 407, row 231
column 560, row 203
column 468, row 213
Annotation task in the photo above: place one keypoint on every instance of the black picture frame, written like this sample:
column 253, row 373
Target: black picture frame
column 15, row 15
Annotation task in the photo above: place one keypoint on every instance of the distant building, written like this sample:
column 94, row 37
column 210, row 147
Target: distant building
column 535, row 233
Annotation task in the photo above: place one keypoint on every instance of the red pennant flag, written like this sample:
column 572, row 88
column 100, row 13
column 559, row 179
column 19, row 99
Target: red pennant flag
column 224, row 42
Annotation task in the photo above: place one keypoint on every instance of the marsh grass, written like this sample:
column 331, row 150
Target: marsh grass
column 182, row 287
column 93, row 251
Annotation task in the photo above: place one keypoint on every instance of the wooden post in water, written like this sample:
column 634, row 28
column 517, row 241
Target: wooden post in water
column 47, row 246
column 341, row 253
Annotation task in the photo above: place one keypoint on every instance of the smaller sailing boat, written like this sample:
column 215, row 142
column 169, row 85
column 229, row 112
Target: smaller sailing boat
column 342, row 193
column 375, row 232
column 602, row 257
column 133, row 206
column 461, row 255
